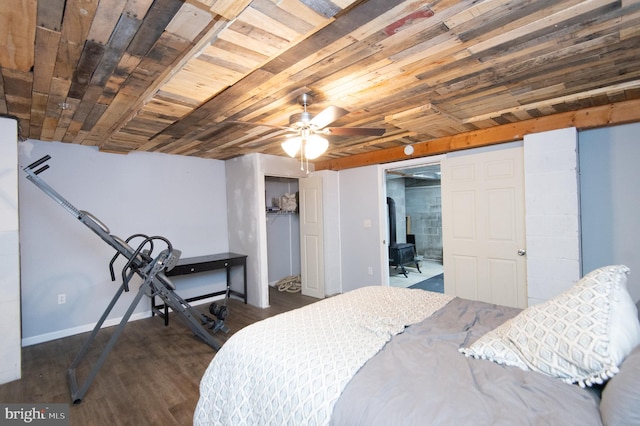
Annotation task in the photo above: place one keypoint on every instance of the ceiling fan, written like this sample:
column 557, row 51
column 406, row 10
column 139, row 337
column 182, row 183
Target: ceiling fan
column 307, row 130
column 317, row 124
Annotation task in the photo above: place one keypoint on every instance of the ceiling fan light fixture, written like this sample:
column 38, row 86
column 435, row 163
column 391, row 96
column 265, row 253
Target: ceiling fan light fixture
column 292, row 145
column 315, row 146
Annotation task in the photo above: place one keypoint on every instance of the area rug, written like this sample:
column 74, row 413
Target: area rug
column 435, row 284
column 428, row 269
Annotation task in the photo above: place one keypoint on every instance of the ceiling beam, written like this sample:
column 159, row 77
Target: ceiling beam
column 587, row 118
column 601, row 91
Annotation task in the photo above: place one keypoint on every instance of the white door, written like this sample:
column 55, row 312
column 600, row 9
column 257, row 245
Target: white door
column 311, row 237
column 484, row 226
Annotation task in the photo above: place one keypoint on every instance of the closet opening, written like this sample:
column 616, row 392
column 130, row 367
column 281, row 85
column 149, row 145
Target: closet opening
column 283, row 233
column 414, row 207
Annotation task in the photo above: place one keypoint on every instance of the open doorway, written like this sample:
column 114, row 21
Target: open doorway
column 283, row 233
column 415, row 227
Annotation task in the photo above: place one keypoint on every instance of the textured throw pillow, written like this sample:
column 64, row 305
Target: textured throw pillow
column 620, row 404
column 580, row 336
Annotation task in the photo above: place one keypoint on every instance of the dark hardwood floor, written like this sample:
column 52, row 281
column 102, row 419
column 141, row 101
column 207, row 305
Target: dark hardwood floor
column 151, row 376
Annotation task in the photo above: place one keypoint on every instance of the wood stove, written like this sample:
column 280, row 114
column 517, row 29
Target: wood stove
column 400, row 254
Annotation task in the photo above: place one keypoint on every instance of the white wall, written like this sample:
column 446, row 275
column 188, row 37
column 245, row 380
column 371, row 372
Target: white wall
column 361, row 227
column 180, row 198
column 552, row 213
column 246, row 215
column 9, row 253
column 610, row 199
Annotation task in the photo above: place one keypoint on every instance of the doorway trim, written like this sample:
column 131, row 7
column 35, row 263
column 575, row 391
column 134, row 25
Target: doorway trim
column 382, row 204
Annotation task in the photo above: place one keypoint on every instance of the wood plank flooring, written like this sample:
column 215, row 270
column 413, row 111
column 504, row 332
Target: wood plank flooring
column 151, row 377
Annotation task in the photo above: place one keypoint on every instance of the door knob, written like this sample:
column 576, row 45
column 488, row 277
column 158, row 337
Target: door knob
column 522, row 252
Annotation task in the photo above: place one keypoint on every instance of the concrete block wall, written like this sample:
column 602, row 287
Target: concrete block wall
column 424, row 207
column 552, row 213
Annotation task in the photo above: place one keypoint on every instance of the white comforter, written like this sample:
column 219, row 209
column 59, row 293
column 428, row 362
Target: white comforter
column 290, row 369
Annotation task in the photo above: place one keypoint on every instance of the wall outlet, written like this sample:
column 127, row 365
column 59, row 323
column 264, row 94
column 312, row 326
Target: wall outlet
column 370, row 270
column 62, row 298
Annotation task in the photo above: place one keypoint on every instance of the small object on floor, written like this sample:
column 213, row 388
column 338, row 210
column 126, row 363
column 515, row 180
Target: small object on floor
column 290, row 284
column 220, row 312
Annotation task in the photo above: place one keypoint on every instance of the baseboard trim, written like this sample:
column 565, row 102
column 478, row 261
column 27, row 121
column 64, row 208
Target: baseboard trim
column 59, row 334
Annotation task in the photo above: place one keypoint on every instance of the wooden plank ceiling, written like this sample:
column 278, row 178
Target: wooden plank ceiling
column 182, row 76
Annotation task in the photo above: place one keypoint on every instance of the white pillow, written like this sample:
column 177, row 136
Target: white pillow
column 580, row 336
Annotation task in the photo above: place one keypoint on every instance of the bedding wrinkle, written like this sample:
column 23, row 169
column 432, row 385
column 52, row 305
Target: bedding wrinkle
column 433, row 384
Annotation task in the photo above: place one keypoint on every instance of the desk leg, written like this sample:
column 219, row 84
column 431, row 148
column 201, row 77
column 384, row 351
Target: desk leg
column 228, row 268
column 166, row 310
column 244, row 281
column 244, row 268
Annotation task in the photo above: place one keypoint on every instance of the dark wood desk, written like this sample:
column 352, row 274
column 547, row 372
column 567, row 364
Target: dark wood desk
column 193, row 265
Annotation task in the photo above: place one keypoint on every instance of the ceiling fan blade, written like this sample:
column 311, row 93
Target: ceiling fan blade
column 327, row 116
column 355, row 131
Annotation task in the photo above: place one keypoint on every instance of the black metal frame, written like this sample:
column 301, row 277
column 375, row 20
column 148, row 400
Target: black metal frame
column 139, row 262
column 194, row 265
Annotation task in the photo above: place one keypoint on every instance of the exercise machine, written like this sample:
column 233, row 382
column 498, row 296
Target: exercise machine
column 141, row 262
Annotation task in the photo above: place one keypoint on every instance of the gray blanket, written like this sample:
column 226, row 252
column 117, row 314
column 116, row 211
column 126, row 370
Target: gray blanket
column 420, row 378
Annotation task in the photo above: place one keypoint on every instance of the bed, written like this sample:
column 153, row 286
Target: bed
column 382, row 355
